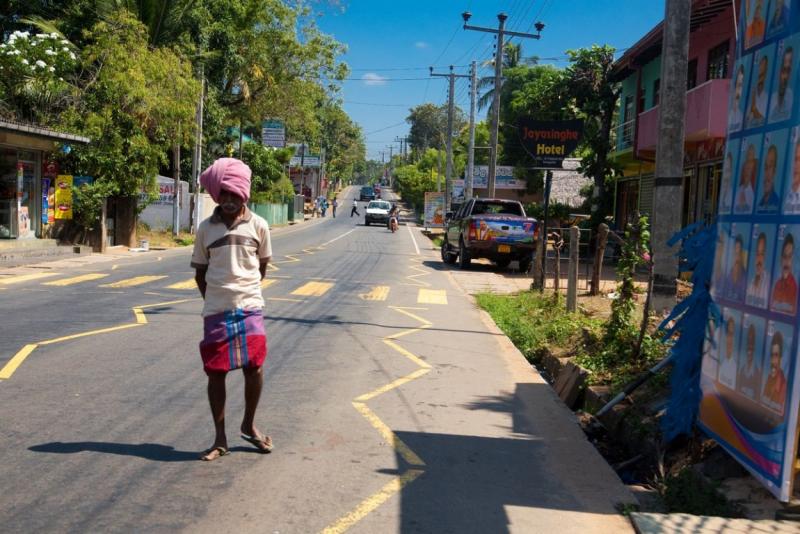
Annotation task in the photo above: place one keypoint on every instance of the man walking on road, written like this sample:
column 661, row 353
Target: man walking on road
column 334, row 205
column 231, row 253
column 355, row 208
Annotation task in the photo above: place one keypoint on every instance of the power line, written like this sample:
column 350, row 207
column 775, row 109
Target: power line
column 385, row 128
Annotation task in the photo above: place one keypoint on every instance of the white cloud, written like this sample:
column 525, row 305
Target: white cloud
column 421, row 44
column 371, row 78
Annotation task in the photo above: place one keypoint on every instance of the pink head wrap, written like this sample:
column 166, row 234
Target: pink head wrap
column 228, row 174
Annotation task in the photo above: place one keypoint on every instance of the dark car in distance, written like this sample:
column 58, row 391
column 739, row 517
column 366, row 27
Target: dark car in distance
column 367, row 193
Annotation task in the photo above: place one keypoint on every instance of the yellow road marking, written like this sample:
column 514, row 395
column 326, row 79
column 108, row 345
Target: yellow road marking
column 432, row 296
column 135, row 281
column 376, row 293
column 404, row 311
column 76, row 279
column 9, row 368
column 388, row 387
column 186, row 284
column 372, row 502
column 389, row 436
column 285, row 300
column 416, row 359
column 89, row 333
column 12, row 365
column 265, row 283
column 273, row 267
column 422, row 272
column 25, row 278
column 312, row 289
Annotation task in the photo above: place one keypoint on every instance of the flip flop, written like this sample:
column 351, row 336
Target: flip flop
column 262, row 443
column 207, row 455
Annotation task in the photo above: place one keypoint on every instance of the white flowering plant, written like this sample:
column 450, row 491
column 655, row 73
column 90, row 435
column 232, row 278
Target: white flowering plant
column 34, row 73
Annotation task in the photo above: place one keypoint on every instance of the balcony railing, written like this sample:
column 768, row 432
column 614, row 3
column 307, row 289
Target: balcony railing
column 624, row 133
column 706, row 115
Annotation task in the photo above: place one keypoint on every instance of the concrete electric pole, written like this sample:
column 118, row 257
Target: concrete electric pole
column 473, row 83
column 498, row 77
column 667, row 197
column 448, row 176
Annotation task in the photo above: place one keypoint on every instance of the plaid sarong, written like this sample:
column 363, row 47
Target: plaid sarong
column 232, row 340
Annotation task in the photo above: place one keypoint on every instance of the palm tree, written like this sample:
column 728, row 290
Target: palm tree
column 512, row 57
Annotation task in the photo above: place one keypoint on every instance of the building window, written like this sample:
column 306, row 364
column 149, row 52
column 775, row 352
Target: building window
column 691, row 75
column 718, row 62
column 656, row 92
column 628, row 121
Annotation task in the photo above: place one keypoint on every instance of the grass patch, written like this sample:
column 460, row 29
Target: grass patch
column 688, row 492
column 534, row 321
column 163, row 238
column 437, row 241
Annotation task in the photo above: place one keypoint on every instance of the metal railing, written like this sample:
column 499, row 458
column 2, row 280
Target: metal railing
column 560, row 237
column 624, row 133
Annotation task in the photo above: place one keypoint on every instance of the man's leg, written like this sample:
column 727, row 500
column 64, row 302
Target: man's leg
column 253, row 384
column 216, row 398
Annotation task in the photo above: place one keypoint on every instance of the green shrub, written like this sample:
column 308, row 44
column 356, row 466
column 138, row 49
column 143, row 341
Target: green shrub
column 688, row 492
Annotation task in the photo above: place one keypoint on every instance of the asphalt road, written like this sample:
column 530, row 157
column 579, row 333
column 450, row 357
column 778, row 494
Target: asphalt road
column 393, row 404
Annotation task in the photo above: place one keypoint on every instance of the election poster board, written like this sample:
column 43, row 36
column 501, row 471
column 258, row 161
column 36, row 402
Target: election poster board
column 434, row 210
column 750, row 375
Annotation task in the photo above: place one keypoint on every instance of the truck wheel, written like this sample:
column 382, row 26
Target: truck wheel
column 448, row 256
column 366, row 222
column 503, row 264
column 464, row 259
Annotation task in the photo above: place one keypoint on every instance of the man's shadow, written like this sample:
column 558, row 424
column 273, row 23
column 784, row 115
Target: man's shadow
column 148, row 451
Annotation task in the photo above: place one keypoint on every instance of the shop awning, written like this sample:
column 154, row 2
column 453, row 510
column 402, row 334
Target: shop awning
column 38, row 131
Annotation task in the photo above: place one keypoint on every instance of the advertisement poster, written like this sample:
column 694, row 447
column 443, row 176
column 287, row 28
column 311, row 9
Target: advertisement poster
column 63, row 197
column 273, row 133
column 750, row 376
column 504, row 179
column 434, row 210
column 45, row 200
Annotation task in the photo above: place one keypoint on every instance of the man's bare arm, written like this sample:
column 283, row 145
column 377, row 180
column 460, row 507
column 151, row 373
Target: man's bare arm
column 200, row 279
column 263, row 267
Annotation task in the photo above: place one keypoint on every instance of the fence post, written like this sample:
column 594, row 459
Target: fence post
column 572, row 276
column 557, row 244
column 538, row 276
column 602, row 241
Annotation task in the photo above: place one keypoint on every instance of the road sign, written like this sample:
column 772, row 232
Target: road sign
column 273, row 133
column 549, row 142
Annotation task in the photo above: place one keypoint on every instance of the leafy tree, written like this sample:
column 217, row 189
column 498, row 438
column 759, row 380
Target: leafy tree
column 429, row 126
column 512, row 58
column 268, row 182
column 595, row 95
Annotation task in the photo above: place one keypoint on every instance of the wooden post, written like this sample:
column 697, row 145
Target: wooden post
column 557, row 242
column 572, row 276
column 602, row 241
column 538, row 276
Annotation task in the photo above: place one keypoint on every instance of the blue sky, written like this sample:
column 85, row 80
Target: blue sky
column 392, row 44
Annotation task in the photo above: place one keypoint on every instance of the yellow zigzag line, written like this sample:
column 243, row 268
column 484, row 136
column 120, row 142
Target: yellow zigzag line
column 422, row 272
column 394, row 486
column 27, row 350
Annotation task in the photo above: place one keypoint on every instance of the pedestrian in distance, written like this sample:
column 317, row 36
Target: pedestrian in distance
column 334, row 205
column 324, row 206
column 355, row 208
column 231, row 252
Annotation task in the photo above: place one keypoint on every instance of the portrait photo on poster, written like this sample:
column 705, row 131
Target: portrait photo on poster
column 782, row 99
column 737, row 247
column 728, row 347
column 749, row 163
column 776, row 366
column 770, row 184
column 779, row 17
column 760, row 87
column 762, row 245
column 720, row 270
column 755, row 13
column 748, row 375
column 738, row 98
column 710, row 363
column 783, row 298
column 726, row 183
column 791, row 196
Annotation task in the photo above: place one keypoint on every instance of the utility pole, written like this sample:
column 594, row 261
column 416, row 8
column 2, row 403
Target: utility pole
column 667, row 197
column 197, row 161
column 448, row 176
column 498, row 77
column 471, row 155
